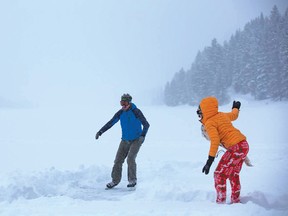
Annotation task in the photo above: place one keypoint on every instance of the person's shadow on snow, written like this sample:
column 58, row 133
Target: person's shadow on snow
column 259, row 198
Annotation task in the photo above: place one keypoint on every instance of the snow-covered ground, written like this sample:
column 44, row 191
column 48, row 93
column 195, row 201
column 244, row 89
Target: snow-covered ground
column 52, row 165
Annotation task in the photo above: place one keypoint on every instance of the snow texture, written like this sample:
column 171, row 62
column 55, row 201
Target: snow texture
column 52, row 165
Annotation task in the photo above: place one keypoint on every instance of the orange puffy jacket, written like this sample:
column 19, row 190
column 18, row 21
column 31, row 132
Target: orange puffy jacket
column 218, row 125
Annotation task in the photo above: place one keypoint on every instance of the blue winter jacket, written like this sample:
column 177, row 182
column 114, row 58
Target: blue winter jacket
column 131, row 121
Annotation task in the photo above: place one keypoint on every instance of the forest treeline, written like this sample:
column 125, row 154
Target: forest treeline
column 254, row 61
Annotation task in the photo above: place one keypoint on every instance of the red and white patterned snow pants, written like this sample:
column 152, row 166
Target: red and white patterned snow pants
column 229, row 167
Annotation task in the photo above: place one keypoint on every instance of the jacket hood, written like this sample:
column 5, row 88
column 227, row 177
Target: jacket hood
column 133, row 106
column 209, row 108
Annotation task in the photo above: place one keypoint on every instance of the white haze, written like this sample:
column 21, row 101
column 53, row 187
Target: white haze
column 82, row 52
column 63, row 67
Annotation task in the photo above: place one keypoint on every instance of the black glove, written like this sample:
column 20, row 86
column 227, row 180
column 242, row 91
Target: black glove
column 206, row 168
column 98, row 134
column 236, row 104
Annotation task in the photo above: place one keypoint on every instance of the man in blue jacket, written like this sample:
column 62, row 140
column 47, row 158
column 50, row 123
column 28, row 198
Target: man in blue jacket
column 131, row 120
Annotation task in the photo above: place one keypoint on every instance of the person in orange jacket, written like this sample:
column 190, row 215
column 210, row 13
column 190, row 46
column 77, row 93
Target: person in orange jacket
column 221, row 132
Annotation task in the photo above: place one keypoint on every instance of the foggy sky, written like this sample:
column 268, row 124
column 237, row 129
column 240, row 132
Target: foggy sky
column 56, row 52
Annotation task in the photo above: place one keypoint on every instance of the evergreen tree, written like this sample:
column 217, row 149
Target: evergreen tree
column 237, row 52
column 218, row 71
column 258, row 49
column 262, row 78
column 195, row 81
column 254, row 61
column 228, row 56
column 250, row 45
column 168, row 95
column 175, row 92
column 274, row 64
column 180, row 87
column 283, row 95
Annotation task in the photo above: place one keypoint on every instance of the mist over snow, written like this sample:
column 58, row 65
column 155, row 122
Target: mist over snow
column 63, row 67
column 71, row 52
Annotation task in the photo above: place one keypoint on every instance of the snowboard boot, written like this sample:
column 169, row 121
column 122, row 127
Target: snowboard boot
column 132, row 184
column 111, row 185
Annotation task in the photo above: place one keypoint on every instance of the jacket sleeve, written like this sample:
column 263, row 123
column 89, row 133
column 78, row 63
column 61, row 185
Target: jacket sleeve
column 233, row 115
column 137, row 112
column 214, row 138
column 113, row 121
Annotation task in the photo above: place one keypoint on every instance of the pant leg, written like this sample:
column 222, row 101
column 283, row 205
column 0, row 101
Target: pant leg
column 220, row 177
column 131, row 160
column 119, row 160
column 240, row 152
column 235, row 187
